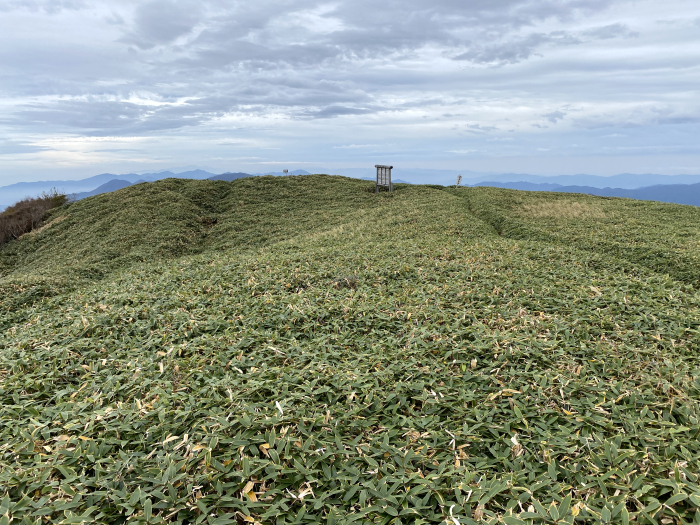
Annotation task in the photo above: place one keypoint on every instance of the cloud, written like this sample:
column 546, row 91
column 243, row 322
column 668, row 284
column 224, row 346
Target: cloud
column 639, row 117
column 409, row 77
column 47, row 6
column 117, row 150
column 463, row 151
column 108, row 117
column 336, row 111
column 609, row 31
column 522, row 48
column 516, row 50
column 357, row 146
column 161, row 22
column 115, row 19
column 480, row 128
column 554, row 116
column 12, row 147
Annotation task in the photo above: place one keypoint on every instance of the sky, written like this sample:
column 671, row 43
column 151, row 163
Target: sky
column 546, row 87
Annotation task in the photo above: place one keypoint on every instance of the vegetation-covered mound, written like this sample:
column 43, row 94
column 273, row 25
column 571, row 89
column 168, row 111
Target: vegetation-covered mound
column 301, row 350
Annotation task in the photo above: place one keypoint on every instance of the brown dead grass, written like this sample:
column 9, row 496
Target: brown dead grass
column 44, row 227
column 562, row 209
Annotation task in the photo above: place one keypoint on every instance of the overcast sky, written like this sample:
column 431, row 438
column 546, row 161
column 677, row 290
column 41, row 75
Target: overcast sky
column 537, row 86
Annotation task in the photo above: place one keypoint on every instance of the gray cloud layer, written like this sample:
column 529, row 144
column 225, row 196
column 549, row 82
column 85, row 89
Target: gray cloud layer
column 163, row 71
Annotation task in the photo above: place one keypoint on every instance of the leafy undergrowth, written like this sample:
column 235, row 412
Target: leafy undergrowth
column 89, row 239
column 390, row 360
column 662, row 237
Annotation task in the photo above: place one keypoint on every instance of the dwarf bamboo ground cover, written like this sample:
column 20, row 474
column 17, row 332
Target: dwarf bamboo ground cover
column 341, row 357
column 656, row 235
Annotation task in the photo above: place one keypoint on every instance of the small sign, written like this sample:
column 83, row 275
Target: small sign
column 383, row 178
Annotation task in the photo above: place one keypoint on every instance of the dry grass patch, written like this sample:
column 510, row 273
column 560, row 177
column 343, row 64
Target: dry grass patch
column 562, row 209
column 44, row 227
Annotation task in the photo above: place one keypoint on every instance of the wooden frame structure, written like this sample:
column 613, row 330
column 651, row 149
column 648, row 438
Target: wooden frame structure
column 383, row 178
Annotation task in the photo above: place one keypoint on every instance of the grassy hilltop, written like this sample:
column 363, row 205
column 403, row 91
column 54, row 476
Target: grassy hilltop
column 301, row 350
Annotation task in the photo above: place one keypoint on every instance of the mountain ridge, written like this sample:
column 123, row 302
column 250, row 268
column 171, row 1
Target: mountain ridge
column 21, row 190
column 688, row 194
column 681, row 189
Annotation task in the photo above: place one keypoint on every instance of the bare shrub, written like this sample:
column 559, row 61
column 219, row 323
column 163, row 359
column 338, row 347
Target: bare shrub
column 28, row 214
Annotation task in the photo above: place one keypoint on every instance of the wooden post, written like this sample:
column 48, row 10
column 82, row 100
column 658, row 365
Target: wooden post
column 383, row 177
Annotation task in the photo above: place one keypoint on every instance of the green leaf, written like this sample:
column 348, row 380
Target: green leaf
column 135, row 496
column 618, row 508
column 332, row 517
column 676, row 498
column 651, row 507
column 539, row 508
column 565, row 505
column 554, row 511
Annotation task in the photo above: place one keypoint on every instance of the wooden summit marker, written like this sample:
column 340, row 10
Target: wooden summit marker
column 383, row 177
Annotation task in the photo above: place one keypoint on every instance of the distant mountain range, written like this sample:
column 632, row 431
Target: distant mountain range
column 676, row 193
column 107, row 187
column 449, row 177
column 681, row 189
column 118, row 184
column 229, row 176
column 81, row 188
column 623, row 181
column 20, row 190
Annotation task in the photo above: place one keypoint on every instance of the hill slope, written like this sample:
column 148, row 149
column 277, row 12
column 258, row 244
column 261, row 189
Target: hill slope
column 300, row 350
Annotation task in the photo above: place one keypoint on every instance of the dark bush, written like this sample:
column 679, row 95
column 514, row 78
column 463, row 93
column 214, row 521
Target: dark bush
column 27, row 214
